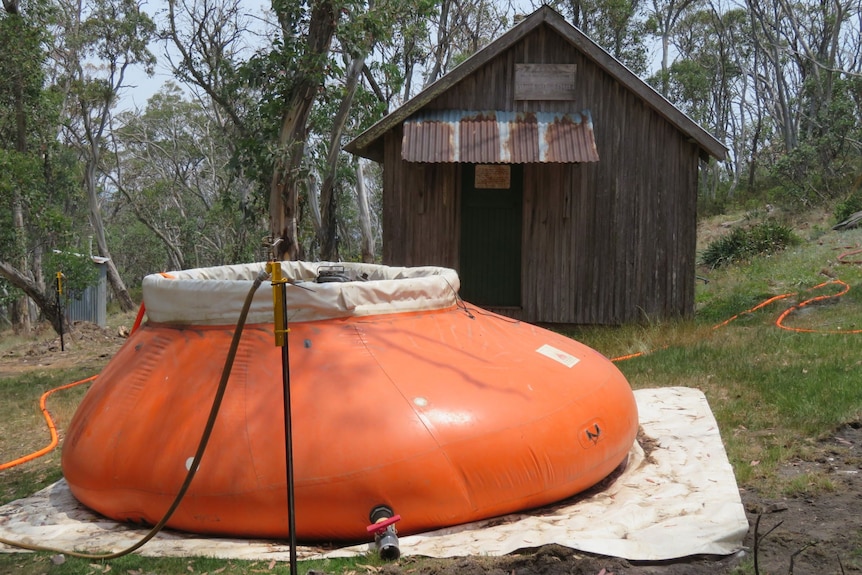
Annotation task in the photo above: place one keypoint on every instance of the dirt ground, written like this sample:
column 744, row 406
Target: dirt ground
column 806, row 535
column 87, row 346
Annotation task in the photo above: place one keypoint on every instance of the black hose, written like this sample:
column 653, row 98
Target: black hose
column 202, row 445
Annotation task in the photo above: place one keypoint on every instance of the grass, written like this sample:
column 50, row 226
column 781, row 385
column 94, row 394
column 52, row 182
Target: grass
column 23, row 429
column 43, row 563
column 774, row 392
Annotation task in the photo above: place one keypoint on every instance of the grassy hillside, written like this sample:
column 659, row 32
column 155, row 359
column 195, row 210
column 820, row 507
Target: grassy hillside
column 773, row 390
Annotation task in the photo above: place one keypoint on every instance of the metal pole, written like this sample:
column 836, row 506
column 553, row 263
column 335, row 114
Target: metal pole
column 288, row 436
column 279, row 304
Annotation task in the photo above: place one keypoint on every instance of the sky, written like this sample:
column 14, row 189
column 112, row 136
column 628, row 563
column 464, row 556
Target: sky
column 144, row 87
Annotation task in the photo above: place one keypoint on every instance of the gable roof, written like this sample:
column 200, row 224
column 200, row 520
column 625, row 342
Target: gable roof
column 369, row 144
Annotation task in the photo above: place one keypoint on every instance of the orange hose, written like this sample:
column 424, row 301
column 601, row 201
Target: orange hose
column 754, row 309
column 780, row 321
column 43, row 406
column 841, row 259
column 139, row 318
column 629, row 356
column 51, row 427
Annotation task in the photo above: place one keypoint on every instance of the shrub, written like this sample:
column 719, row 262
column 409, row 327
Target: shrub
column 743, row 243
column 849, row 206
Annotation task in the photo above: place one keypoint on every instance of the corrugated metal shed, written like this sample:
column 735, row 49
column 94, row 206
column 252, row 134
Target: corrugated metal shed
column 91, row 304
column 499, row 137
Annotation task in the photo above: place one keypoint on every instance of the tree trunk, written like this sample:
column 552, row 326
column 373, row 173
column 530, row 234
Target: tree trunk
column 666, row 15
column 283, row 193
column 21, row 309
column 328, row 203
column 21, row 315
column 46, row 305
column 779, row 96
column 117, row 285
column 314, row 208
column 442, row 43
column 366, row 242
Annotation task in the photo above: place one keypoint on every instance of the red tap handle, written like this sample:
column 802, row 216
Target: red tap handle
column 381, row 526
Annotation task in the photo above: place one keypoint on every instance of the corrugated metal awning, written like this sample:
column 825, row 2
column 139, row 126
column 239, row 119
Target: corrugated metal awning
column 499, row 137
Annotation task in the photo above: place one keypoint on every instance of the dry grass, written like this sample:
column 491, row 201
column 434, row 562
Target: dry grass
column 31, row 366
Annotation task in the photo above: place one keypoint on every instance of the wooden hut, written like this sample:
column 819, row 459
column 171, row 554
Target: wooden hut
column 560, row 186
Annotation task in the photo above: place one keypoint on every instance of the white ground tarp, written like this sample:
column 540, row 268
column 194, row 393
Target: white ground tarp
column 680, row 499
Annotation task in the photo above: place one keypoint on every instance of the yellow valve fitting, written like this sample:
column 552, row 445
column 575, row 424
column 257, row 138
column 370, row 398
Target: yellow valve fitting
column 278, row 303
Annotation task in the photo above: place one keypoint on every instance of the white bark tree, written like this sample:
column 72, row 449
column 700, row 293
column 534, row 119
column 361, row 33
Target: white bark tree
column 106, row 38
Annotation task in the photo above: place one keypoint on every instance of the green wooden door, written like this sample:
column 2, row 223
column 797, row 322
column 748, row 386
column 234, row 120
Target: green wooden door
column 490, row 262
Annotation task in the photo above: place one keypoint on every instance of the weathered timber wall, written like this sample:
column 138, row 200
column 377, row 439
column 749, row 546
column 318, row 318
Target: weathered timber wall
column 603, row 243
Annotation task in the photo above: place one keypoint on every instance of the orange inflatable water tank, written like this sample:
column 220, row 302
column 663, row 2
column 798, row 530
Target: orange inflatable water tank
column 401, row 396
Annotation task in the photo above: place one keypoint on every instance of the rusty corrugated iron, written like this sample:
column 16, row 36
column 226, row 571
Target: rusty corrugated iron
column 499, row 137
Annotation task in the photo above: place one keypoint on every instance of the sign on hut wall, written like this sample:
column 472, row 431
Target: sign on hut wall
column 545, row 81
column 493, row 177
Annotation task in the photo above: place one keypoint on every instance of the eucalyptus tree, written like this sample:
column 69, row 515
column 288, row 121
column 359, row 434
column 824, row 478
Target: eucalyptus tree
column 707, row 79
column 36, row 173
column 798, row 44
column 664, row 18
column 743, row 120
column 307, row 31
column 172, row 173
column 319, row 58
column 154, row 160
column 323, row 27
column 394, row 65
column 461, row 30
column 367, row 233
column 829, row 127
column 209, row 44
column 150, row 164
column 264, row 99
column 328, row 198
column 808, row 65
column 103, row 39
column 442, row 51
column 618, row 26
column 814, row 32
column 355, row 40
column 21, row 69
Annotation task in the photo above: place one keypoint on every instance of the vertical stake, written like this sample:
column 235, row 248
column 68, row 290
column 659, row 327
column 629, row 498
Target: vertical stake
column 279, row 295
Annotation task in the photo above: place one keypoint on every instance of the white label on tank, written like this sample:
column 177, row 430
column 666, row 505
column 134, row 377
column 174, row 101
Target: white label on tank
column 558, row 355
